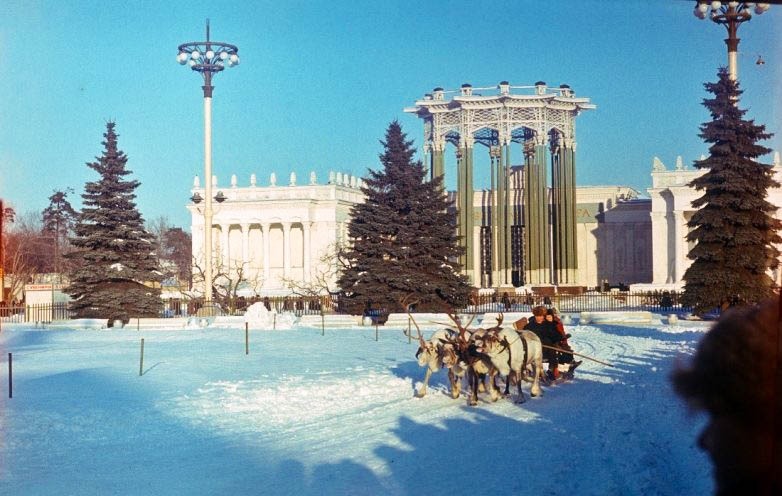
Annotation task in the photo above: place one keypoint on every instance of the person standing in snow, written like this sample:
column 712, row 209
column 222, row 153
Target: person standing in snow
column 736, row 377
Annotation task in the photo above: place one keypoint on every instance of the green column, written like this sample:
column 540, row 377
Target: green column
column 507, row 218
column 438, row 162
column 557, row 215
column 571, row 246
column 494, row 157
column 502, row 207
column 429, row 162
column 545, row 238
column 460, row 203
column 469, row 212
column 537, row 218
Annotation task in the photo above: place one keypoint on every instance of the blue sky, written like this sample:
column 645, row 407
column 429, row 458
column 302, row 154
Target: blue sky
column 319, row 82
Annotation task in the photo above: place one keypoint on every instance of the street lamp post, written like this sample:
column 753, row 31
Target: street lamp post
column 208, row 57
column 730, row 15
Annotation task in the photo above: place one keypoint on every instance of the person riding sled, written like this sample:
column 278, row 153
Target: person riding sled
column 563, row 358
column 546, row 330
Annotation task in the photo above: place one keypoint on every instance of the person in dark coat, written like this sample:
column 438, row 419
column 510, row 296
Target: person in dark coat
column 736, row 377
column 563, row 357
column 549, row 336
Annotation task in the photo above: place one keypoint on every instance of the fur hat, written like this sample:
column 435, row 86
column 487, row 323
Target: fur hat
column 539, row 310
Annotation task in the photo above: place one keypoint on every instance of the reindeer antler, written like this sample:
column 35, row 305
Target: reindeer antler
column 463, row 339
column 405, row 302
column 420, row 338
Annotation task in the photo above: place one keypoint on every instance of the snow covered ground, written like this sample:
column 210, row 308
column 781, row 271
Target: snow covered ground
column 306, row 414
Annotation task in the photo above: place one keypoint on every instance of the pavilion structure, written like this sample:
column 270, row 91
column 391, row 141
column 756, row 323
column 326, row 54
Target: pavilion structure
column 531, row 242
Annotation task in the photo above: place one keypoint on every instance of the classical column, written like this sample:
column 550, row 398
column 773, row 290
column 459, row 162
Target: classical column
column 286, row 249
column 438, row 159
column 224, row 228
column 469, row 215
column 265, row 228
column 245, row 244
column 571, row 246
column 564, row 213
column 557, row 236
column 680, row 228
column 494, row 156
column 537, row 215
column 306, row 226
column 460, row 206
column 659, row 248
column 506, row 217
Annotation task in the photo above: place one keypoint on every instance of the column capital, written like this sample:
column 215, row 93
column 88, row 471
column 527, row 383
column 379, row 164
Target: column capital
column 541, row 139
column 466, row 142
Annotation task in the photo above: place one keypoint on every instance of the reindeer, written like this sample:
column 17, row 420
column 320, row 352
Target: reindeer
column 463, row 358
column 511, row 352
column 429, row 355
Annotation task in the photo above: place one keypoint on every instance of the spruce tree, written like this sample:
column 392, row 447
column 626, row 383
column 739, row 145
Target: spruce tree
column 58, row 220
column 734, row 227
column 404, row 247
column 118, row 272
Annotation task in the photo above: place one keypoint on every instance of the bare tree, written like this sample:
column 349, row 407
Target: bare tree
column 174, row 251
column 228, row 281
column 26, row 251
column 323, row 277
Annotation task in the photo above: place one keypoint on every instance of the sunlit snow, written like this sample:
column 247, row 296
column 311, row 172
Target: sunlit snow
column 306, row 414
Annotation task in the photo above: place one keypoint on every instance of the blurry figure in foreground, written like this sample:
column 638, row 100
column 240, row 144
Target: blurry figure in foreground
column 734, row 377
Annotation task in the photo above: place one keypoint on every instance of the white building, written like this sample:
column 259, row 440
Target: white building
column 671, row 209
column 276, row 232
column 282, row 234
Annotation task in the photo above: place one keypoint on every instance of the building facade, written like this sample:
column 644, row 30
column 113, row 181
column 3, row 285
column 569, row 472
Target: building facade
column 272, row 236
column 276, row 236
column 671, row 210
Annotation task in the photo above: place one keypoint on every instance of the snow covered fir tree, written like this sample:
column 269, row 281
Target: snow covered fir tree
column 404, row 247
column 733, row 228
column 118, row 275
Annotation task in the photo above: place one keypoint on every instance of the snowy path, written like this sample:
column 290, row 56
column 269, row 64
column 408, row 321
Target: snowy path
column 335, row 414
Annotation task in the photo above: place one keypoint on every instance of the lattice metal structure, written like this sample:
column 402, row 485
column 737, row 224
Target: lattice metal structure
column 542, row 121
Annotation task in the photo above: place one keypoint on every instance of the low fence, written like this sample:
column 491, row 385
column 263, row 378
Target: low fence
column 35, row 313
column 298, row 305
column 667, row 302
column 604, row 302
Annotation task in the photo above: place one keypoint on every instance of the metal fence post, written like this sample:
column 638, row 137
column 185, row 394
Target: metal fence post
column 141, row 362
column 10, row 375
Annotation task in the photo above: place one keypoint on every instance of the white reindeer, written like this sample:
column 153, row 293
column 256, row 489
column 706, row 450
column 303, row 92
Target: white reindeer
column 511, row 352
column 429, row 355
